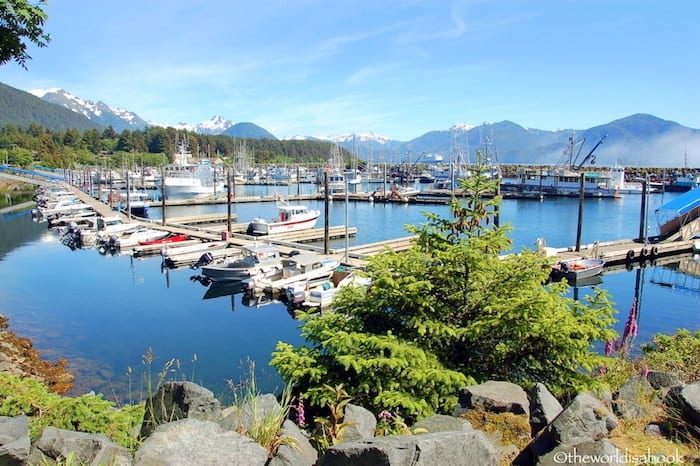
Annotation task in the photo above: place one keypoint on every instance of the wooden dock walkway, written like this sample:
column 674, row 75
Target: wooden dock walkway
column 626, row 251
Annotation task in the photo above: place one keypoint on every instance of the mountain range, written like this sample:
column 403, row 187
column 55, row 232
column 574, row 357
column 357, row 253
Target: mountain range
column 636, row 140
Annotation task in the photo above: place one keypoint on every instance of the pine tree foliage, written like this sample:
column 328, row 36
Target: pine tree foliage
column 452, row 310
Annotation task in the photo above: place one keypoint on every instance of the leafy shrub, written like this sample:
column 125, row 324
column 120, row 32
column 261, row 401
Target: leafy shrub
column 85, row 413
column 678, row 353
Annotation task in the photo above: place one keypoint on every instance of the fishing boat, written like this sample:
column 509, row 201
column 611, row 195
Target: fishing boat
column 577, row 269
column 290, row 218
column 185, row 180
column 562, row 180
column 254, row 260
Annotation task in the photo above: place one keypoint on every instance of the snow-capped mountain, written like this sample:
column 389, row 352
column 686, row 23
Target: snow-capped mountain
column 99, row 112
column 361, row 138
column 216, row 125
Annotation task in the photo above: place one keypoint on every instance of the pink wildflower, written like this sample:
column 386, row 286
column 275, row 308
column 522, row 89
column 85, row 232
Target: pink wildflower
column 301, row 418
column 385, row 415
column 610, row 347
column 631, row 326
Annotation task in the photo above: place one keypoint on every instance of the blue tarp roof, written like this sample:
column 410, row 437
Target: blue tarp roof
column 683, row 203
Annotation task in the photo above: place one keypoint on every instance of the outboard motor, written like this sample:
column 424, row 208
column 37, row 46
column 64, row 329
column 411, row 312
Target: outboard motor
column 206, row 258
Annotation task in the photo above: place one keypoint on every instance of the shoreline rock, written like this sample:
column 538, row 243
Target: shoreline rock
column 18, row 356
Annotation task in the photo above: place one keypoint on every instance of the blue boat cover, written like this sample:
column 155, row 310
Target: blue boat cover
column 683, row 203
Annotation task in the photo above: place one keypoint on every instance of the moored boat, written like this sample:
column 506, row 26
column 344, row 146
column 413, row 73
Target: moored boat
column 291, row 218
column 186, row 180
column 323, row 294
column 255, row 259
column 165, row 240
column 306, row 270
column 175, row 253
column 578, row 269
column 133, row 238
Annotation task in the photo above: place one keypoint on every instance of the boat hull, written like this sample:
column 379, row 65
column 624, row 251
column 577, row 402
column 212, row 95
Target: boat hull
column 263, row 227
column 576, row 270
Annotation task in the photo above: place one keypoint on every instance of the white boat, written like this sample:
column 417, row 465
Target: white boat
column 563, row 180
column 129, row 239
column 305, row 269
column 617, row 174
column 290, row 218
column 255, row 259
column 402, row 193
column 169, row 251
column 62, row 206
column 323, row 294
column 138, row 201
column 559, row 182
column 185, row 180
column 99, row 229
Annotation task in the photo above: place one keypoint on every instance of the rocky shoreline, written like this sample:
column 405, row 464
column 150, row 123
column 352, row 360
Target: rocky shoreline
column 18, row 356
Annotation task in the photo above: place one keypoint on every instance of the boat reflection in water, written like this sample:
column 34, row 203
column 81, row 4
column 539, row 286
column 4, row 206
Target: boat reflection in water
column 233, row 289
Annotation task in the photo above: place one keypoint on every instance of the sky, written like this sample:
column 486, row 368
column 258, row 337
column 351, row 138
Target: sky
column 395, row 68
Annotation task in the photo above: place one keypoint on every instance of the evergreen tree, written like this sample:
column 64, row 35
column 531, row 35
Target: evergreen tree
column 450, row 311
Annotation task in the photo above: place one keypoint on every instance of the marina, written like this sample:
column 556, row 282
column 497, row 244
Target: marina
column 139, row 305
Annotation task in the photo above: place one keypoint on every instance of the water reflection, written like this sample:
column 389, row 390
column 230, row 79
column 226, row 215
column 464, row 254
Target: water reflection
column 234, row 290
column 682, row 276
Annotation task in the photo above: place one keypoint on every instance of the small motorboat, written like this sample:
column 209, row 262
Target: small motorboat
column 306, row 270
column 578, row 269
column 255, row 259
column 165, row 240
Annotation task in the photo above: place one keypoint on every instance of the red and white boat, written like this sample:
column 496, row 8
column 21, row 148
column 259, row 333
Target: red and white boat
column 291, row 218
column 165, row 240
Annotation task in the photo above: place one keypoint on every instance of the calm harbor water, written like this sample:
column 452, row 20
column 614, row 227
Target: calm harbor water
column 103, row 313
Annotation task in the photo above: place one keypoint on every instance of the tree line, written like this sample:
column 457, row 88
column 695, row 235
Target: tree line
column 152, row 146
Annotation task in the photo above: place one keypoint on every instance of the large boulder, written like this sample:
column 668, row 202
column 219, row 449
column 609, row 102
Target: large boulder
column 298, row 453
column 585, row 419
column 686, row 399
column 440, row 448
column 361, row 423
column 661, row 380
column 634, row 398
column 87, row 449
column 493, row 396
column 14, row 440
column 179, row 400
column 192, row 441
column 253, row 412
column 544, row 407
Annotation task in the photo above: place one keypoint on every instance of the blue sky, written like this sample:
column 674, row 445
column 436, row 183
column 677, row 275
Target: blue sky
column 395, row 68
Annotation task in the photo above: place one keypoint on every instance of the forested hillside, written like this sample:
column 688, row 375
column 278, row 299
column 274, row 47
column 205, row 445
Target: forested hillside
column 152, row 146
column 21, row 109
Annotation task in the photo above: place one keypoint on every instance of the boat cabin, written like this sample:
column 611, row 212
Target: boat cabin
column 291, row 211
column 261, row 254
